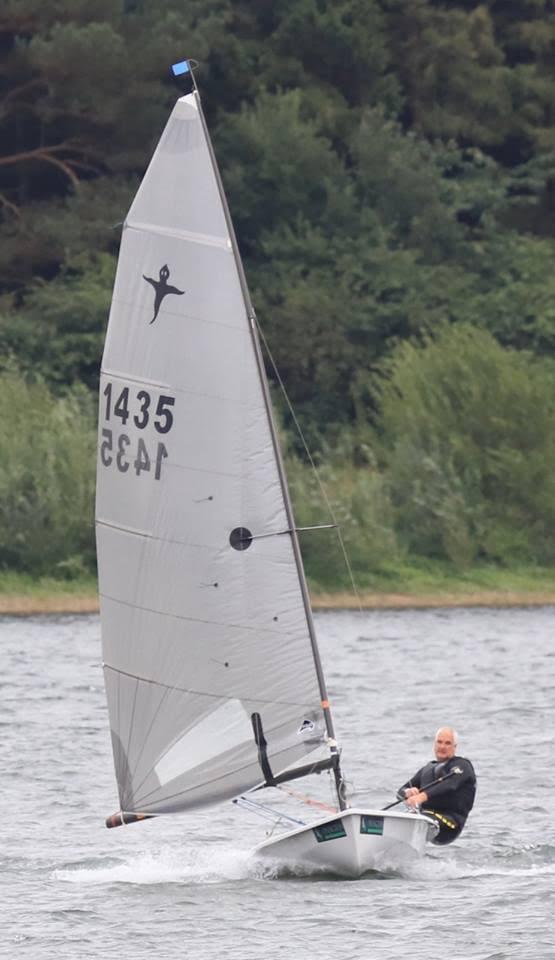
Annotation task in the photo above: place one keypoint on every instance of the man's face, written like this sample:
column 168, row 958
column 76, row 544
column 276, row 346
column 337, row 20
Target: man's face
column 444, row 744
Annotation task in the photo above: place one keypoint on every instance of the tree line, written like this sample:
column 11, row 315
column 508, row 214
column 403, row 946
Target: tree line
column 390, row 168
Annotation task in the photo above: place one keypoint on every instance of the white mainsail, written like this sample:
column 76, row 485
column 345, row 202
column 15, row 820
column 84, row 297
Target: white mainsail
column 202, row 627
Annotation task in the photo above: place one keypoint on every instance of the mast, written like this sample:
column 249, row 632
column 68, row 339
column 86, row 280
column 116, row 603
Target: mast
column 184, row 70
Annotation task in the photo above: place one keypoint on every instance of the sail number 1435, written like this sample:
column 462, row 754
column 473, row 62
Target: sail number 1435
column 140, row 409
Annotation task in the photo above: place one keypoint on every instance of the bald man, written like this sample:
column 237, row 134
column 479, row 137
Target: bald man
column 450, row 800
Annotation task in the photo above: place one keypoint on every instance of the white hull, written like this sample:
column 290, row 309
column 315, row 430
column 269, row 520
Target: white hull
column 352, row 843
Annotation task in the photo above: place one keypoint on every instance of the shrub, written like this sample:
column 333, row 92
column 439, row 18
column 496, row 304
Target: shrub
column 46, row 478
column 359, row 501
column 468, row 433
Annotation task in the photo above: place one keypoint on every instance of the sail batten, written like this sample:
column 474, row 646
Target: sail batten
column 205, row 613
column 202, row 238
column 202, row 693
column 224, row 623
column 142, row 381
column 151, row 536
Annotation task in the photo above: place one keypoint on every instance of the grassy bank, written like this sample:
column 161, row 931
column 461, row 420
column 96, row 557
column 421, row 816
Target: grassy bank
column 434, row 585
column 22, row 594
column 407, row 586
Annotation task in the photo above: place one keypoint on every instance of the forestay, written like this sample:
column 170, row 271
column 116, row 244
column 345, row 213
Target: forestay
column 201, row 626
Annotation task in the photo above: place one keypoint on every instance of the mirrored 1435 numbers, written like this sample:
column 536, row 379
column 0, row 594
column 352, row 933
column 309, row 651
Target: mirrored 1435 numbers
column 140, row 408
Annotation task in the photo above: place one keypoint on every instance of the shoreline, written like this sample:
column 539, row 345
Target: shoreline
column 432, row 601
column 76, row 604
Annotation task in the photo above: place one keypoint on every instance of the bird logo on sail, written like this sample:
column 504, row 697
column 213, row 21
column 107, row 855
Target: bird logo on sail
column 161, row 289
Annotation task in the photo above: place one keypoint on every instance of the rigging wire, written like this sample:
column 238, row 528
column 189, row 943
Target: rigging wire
column 323, row 492
column 263, row 810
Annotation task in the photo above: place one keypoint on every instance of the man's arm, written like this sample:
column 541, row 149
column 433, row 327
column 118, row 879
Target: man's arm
column 449, row 785
column 453, row 781
column 412, row 786
column 414, row 797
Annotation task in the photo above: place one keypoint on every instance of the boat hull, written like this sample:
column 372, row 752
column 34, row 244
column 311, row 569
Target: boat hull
column 351, row 843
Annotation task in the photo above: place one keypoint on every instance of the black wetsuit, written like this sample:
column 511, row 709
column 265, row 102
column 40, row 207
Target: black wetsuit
column 448, row 802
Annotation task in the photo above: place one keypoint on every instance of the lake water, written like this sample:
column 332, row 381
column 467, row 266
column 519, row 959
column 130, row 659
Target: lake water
column 187, row 887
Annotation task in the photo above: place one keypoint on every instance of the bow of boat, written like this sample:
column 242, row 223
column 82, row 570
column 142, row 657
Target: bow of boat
column 351, row 843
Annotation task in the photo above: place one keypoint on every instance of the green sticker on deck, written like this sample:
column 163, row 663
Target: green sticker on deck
column 372, row 825
column 329, row 831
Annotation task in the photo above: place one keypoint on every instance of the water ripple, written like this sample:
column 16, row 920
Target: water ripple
column 189, row 886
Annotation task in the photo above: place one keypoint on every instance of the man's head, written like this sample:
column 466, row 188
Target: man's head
column 445, row 743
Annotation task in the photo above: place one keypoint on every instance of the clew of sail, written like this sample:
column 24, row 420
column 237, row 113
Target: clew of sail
column 204, row 619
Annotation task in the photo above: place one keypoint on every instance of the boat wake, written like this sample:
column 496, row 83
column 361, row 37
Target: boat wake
column 210, row 864
column 533, row 860
column 222, row 863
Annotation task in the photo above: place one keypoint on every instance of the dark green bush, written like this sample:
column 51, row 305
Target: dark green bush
column 47, row 457
column 470, row 449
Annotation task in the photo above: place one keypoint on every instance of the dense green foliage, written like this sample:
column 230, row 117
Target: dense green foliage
column 468, row 427
column 47, row 456
column 390, row 167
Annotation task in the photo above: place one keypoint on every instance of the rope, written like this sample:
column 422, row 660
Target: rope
column 312, row 464
column 308, row 800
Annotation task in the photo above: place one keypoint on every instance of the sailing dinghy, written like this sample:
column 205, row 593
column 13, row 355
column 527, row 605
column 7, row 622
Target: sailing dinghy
column 212, row 671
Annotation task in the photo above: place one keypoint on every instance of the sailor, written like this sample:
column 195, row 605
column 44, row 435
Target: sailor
column 444, row 788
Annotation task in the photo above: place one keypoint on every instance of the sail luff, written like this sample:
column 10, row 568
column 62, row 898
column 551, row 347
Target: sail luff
column 279, row 461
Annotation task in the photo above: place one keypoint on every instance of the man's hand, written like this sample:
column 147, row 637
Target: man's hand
column 416, row 797
column 411, row 791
